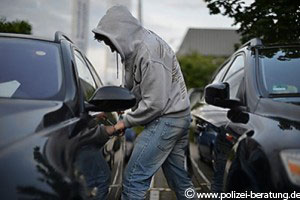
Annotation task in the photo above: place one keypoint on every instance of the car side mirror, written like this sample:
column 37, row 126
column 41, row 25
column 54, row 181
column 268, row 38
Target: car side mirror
column 111, row 99
column 217, row 94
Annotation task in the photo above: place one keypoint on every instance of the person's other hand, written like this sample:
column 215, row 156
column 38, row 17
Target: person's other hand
column 120, row 126
column 117, row 130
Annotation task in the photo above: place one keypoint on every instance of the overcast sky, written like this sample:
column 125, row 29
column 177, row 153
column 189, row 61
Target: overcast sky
column 168, row 18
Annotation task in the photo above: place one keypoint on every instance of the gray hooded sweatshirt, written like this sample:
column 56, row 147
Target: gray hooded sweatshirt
column 152, row 71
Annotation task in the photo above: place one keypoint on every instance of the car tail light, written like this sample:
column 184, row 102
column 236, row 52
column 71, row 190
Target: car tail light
column 291, row 161
column 229, row 137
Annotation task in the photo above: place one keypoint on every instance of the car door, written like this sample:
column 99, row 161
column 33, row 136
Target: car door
column 114, row 149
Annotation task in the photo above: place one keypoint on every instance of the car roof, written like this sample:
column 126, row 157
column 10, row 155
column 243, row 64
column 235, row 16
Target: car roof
column 13, row 35
column 57, row 37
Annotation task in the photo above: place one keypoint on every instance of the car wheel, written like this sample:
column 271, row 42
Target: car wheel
column 234, row 176
column 238, row 180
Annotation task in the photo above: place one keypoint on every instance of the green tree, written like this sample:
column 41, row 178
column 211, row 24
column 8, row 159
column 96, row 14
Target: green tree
column 198, row 69
column 274, row 21
column 17, row 26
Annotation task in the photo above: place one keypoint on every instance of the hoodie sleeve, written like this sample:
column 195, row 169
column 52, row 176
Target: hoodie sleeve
column 155, row 89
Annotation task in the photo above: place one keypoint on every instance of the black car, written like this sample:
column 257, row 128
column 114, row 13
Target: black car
column 51, row 145
column 254, row 102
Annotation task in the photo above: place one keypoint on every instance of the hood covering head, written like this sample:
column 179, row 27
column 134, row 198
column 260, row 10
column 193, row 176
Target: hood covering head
column 122, row 29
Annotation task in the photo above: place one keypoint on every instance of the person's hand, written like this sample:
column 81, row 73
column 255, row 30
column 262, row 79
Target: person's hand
column 110, row 130
column 120, row 126
column 117, row 130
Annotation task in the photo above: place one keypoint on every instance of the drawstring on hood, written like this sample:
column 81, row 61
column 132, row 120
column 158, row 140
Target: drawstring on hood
column 122, row 29
column 117, row 65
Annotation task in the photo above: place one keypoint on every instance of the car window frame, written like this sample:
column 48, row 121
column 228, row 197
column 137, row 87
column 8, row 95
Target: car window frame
column 261, row 89
column 233, row 58
column 94, row 73
column 224, row 65
column 77, row 73
column 234, row 76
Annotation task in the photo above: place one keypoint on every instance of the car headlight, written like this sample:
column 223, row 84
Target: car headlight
column 291, row 161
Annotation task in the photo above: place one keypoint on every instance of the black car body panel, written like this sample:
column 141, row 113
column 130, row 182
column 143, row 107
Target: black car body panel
column 42, row 114
column 26, row 172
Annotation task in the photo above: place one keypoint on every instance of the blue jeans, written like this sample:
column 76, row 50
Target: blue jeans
column 163, row 142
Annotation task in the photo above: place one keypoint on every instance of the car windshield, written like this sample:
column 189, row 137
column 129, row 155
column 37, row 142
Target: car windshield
column 280, row 69
column 30, row 69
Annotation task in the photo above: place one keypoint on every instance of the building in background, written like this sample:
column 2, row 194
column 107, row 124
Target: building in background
column 80, row 23
column 209, row 42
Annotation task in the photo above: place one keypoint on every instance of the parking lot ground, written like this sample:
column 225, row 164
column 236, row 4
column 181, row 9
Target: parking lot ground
column 202, row 173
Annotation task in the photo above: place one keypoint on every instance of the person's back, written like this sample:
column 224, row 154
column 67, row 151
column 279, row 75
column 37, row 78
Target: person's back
column 178, row 98
column 169, row 84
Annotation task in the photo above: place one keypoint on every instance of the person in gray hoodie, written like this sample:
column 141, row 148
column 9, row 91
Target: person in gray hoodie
column 153, row 74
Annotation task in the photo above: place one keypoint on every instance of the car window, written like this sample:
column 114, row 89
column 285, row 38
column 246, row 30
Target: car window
column 236, row 65
column 218, row 77
column 235, row 82
column 94, row 73
column 30, row 69
column 87, row 82
column 280, row 69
